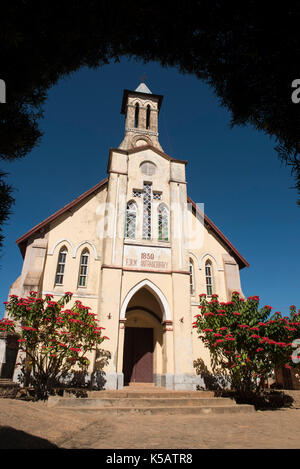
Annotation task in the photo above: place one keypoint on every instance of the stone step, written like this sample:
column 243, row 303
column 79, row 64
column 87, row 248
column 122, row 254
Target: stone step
column 182, row 410
column 141, row 385
column 155, row 394
column 6, row 381
column 141, row 402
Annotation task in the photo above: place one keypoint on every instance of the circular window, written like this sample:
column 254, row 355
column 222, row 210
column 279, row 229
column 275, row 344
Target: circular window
column 148, row 168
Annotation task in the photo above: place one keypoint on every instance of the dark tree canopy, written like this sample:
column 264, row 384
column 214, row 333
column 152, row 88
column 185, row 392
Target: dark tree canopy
column 248, row 52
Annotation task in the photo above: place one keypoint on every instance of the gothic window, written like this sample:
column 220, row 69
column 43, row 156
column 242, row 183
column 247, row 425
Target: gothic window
column 84, row 259
column 208, row 277
column 148, row 117
column 147, row 211
column 163, row 223
column 130, row 224
column 191, row 277
column 136, row 115
column 61, row 263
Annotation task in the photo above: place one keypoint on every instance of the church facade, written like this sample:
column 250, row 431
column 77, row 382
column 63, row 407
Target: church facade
column 138, row 251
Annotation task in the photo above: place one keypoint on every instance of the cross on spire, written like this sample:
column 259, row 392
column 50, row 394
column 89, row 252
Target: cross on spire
column 143, row 77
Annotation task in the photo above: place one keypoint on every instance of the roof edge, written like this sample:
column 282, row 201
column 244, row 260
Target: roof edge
column 241, row 260
column 60, row 212
column 148, row 147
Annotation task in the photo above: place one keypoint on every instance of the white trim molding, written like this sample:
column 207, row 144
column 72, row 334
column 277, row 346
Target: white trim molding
column 213, row 257
column 153, row 289
column 64, row 240
column 90, row 244
column 75, row 295
column 75, row 248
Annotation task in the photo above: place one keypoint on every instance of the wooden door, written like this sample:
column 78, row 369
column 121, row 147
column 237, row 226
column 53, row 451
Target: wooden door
column 138, row 355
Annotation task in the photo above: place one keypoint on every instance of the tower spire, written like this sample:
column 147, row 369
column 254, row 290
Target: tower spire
column 141, row 108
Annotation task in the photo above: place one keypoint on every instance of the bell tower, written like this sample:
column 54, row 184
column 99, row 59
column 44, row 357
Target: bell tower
column 141, row 109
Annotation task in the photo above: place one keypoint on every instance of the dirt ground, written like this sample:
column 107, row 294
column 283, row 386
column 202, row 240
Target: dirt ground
column 34, row 425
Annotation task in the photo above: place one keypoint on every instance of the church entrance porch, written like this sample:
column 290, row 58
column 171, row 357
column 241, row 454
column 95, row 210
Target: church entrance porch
column 142, row 355
column 138, row 355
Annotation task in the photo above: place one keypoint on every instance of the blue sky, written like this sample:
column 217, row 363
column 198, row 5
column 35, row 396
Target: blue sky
column 235, row 172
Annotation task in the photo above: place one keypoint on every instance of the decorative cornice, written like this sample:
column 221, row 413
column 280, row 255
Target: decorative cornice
column 141, row 131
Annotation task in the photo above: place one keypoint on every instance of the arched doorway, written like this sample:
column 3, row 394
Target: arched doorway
column 143, row 338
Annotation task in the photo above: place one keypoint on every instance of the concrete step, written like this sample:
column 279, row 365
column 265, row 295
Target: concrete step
column 141, row 402
column 7, row 382
column 141, row 385
column 182, row 410
column 154, row 394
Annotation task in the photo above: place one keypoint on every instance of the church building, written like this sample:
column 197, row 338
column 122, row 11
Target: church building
column 138, row 251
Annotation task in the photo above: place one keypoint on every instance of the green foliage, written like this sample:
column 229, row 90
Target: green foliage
column 55, row 341
column 6, row 201
column 236, row 47
column 244, row 341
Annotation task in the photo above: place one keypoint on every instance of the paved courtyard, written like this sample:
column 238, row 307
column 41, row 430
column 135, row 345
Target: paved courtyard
column 34, row 425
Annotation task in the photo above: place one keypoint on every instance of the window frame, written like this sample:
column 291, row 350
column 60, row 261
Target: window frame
column 84, row 253
column 192, row 277
column 209, row 285
column 130, row 214
column 162, row 211
column 63, row 251
column 136, row 115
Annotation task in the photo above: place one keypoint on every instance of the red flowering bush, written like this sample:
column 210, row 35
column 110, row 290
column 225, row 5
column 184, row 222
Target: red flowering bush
column 54, row 339
column 245, row 342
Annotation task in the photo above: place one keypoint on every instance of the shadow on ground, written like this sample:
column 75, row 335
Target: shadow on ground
column 10, row 438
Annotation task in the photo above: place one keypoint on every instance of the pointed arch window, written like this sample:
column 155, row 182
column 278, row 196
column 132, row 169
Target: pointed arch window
column 130, row 223
column 136, row 115
column 208, row 278
column 83, row 268
column 163, row 223
column 147, row 197
column 148, row 117
column 191, row 277
column 61, row 263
